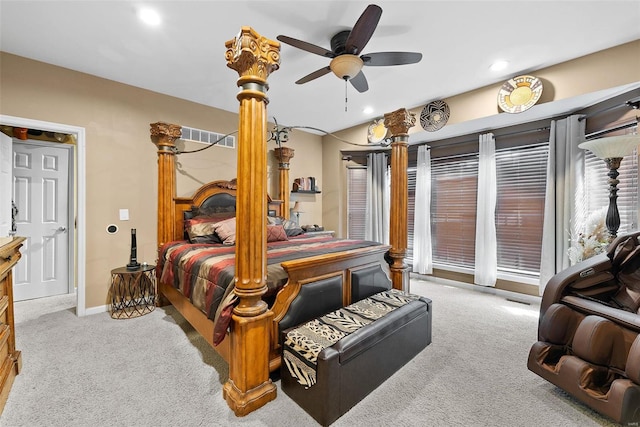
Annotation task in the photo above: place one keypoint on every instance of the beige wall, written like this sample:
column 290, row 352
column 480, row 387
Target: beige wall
column 602, row 70
column 308, row 149
column 121, row 159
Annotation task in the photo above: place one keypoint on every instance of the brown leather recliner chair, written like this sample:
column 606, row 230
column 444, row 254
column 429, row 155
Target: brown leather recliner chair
column 589, row 331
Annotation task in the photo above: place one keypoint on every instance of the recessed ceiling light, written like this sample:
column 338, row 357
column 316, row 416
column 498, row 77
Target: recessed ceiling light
column 499, row 65
column 149, row 16
column 367, row 110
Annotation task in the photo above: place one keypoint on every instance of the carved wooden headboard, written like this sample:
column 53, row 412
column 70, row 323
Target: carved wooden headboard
column 216, row 193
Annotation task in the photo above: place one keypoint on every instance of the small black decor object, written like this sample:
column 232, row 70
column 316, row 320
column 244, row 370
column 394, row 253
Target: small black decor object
column 133, row 259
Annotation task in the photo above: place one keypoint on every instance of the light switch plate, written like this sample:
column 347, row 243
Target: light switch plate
column 124, row 214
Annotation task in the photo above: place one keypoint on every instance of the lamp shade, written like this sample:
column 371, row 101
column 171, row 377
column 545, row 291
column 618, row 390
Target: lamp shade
column 612, row 147
column 346, row 66
column 297, row 208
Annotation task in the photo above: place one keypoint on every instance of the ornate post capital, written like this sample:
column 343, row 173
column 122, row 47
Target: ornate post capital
column 284, row 155
column 399, row 122
column 253, row 56
column 165, row 134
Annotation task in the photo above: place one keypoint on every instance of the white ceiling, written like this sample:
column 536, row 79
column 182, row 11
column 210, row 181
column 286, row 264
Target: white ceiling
column 184, row 56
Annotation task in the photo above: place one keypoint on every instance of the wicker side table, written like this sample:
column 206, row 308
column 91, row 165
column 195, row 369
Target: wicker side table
column 133, row 292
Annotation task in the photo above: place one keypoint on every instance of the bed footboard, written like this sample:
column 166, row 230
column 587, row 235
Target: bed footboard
column 315, row 286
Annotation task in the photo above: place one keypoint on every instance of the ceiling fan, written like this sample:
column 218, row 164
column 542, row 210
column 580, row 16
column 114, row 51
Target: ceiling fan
column 345, row 48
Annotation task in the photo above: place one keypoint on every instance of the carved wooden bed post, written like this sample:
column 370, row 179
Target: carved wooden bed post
column 399, row 123
column 254, row 57
column 164, row 136
column 284, row 154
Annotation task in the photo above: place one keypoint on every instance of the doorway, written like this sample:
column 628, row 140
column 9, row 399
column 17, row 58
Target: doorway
column 43, row 198
column 76, row 215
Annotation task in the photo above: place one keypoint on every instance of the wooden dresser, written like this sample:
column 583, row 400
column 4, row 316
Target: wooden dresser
column 10, row 358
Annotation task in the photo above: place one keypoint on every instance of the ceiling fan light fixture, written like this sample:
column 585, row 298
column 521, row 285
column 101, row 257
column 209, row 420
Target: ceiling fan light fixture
column 346, row 66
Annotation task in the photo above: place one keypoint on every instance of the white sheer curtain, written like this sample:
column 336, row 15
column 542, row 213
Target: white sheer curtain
column 486, row 265
column 378, row 195
column 564, row 197
column 422, row 252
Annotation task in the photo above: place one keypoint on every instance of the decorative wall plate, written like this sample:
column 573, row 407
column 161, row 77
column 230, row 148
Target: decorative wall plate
column 434, row 116
column 377, row 131
column 519, row 94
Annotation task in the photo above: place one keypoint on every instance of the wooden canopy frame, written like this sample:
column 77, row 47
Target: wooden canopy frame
column 250, row 345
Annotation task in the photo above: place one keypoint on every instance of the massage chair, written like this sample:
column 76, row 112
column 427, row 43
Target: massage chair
column 589, row 331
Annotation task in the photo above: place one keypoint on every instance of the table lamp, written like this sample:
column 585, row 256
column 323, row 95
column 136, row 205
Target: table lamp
column 297, row 210
column 612, row 149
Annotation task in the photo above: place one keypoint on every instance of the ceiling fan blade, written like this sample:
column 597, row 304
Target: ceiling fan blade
column 306, row 46
column 380, row 59
column 360, row 82
column 318, row 73
column 363, row 30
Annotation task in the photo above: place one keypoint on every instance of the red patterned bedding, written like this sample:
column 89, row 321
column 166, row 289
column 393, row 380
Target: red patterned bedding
column 204, row 272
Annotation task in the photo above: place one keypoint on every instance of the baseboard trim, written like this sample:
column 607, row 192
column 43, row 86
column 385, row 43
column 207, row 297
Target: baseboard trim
column 96, row 310
column 511, row 296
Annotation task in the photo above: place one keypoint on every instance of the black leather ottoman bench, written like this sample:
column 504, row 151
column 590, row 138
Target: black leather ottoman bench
column 332, row 362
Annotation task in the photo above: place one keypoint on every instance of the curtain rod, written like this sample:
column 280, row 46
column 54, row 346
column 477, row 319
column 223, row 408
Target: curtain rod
column 613, row 129
column 632, row 103
column 542, row 129
column 468, row 141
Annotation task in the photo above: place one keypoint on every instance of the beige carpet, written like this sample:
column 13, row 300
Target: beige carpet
column 157, row 371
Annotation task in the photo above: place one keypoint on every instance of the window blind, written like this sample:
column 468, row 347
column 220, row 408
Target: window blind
column 454, row 183
column 411, row 209
column 521, row 182
column 356, row 202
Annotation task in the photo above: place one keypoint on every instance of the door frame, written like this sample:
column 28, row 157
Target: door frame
column 77, row 186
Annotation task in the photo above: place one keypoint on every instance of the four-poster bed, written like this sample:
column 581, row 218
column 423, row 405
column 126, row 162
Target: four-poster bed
column 251, row 346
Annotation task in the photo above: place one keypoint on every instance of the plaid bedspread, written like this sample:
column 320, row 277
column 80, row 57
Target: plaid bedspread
column 204, row 272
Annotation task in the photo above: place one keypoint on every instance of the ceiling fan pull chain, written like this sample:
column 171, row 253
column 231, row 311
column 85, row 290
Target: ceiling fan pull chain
column 345, row 95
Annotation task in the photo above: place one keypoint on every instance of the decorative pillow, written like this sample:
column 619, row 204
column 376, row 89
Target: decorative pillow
column 226, row 231
column 276, row 233
column 202, row 230
column 291, row 228
column 274, row 220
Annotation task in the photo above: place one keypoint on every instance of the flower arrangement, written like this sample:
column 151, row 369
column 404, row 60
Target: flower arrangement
column 593, row 240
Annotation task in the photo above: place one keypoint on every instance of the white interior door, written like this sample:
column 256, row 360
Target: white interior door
column 40, row 192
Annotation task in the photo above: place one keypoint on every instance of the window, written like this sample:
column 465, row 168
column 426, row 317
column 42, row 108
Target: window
column 206, row 137
column 356, row 202
column 597, row 189
column 454, row 183
column 521, row 180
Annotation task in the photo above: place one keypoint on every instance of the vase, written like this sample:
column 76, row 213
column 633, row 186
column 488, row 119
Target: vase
column 20, row 133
